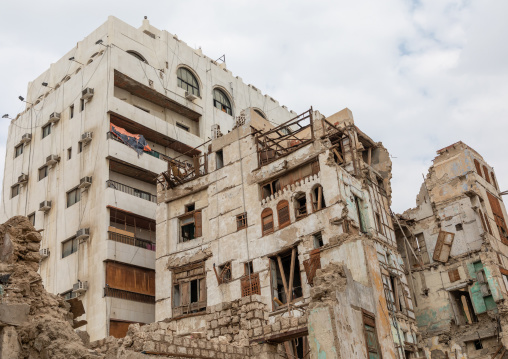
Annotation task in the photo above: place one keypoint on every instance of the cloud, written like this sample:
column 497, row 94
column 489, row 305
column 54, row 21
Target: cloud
column 418, row 75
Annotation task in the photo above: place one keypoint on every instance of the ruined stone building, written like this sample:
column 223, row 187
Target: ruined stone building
column 455, row 248
column 82, row 159
column 284, row 236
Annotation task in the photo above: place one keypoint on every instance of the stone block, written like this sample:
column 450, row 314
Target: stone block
column 267, row 329
column 294, row 322
column 258, row 331
column 149, row 346
column 276, row 327
column 168, row 339
column 181, row 350
column 156, row 337
column 213, row 324
column 14, row 314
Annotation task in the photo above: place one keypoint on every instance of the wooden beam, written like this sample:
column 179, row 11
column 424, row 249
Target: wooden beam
column 281, row 269
column 292, row 274
column 320, row 196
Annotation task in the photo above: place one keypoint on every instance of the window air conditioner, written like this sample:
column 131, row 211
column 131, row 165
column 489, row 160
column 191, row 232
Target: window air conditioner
column 44, row 252
column 190, row 96
column 87, row 93
column 27, row 137
column 52, row 159
column 85, row 182
column 45, row 206
column 23, row 179
column 80, row 287
column 83, row 233
column 54, row 117
column 86, row 137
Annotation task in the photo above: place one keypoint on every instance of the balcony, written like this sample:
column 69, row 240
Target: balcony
column 131, row 190
column 133, row 241
column 132, row 296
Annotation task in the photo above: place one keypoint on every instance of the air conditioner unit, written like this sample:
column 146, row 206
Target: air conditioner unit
column 80, row 287
column 86, row 137
column 87, row 93
column 85, row 182
column 190, row 96
column 27, row 137
column 44, row 252
column 45, row 206
column 23, row 179
column 83, row 233
column 54, row 117
column 52, row 159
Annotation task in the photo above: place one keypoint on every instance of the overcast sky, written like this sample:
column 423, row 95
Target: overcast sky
column 418, row 75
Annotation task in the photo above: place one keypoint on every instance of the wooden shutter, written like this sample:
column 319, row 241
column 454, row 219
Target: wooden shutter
column 443, row 246
column 498, row 217
column 454, row 275
column 130, row 278
column 486, row 172
column 283, row 213
column 202, row 292
column 311, row 265
column 198, row 225
column 267, row 221
column 478, row 168
column 184, row 294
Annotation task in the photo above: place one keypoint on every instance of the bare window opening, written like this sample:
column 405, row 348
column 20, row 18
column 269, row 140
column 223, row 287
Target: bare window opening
column 463, row 305
column 270, row 188
column 225, row 274
column 183, row 127
column 142, row 109
column 194, row 291
column 338, row 155
column 361, row 223
column 69, row 153
column 318, row 201
column 71, row 110
column 190, row 226
column 318, row 239
column 300, row 205
column 283, row 213
column 190, row 207
column 81, row 105
column 248, row 267
column 458, row 227
column 420, row 248
column 219, row 159
column 478, row 344
column 297, row 348
column 285, row 277
column 241, row 221
column 267, row 221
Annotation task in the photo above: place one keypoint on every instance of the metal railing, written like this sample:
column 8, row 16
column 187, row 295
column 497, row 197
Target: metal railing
column 132, row 241
column 125, row 294
column 152, row 153
column 131, row 190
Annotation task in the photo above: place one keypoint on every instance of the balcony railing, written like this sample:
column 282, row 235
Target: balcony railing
column 125, row 294
column 132, row 241
column 131, row 190
column 152, row 153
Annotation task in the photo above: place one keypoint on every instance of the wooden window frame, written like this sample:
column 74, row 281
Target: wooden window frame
column 319, row 202
column 241, row 221
column 283, row 212
column 298, row 208
column 197, row 220
column 183, row 278
column 267, row 212
column 276, row 262
column 368, row 319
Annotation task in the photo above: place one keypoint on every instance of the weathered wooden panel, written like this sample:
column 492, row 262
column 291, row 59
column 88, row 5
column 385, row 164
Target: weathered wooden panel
column 443, row 246
column 130, row 278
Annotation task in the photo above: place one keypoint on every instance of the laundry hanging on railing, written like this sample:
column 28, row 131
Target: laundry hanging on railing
column 136, row 142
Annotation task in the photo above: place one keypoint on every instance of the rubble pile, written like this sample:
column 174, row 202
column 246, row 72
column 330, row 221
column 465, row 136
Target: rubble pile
column 33, row 323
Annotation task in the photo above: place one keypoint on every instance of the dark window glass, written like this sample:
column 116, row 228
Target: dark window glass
column 18, row 150
column 69, row 246
column 14, row 190
column 72, row 111
column 73, row 197
column 221, row 101
column 43, row 172
column 46, row 130
column 31, row 218
column 187, row 81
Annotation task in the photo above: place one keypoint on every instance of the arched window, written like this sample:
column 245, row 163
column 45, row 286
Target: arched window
column 221, row 101
column 187, row 81
column 493, row 180
column 486, row 172
column 137, row 56
column 283, row 213
column 267, row 221
column 318, row 200
column 300, row 205
column 260, row 113
column 478, row 168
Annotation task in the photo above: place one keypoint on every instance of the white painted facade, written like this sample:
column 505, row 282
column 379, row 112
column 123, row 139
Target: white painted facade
column 100, row 66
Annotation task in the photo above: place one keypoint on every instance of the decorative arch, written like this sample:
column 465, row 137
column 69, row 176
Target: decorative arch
column 318, row 198
column 267, row 221
column 188, row 80
column 260, row 113
column 283, row 214
column 137, row 55
column 222, row 100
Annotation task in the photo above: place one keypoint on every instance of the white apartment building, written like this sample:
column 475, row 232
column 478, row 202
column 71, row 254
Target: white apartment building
column 93, row 196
